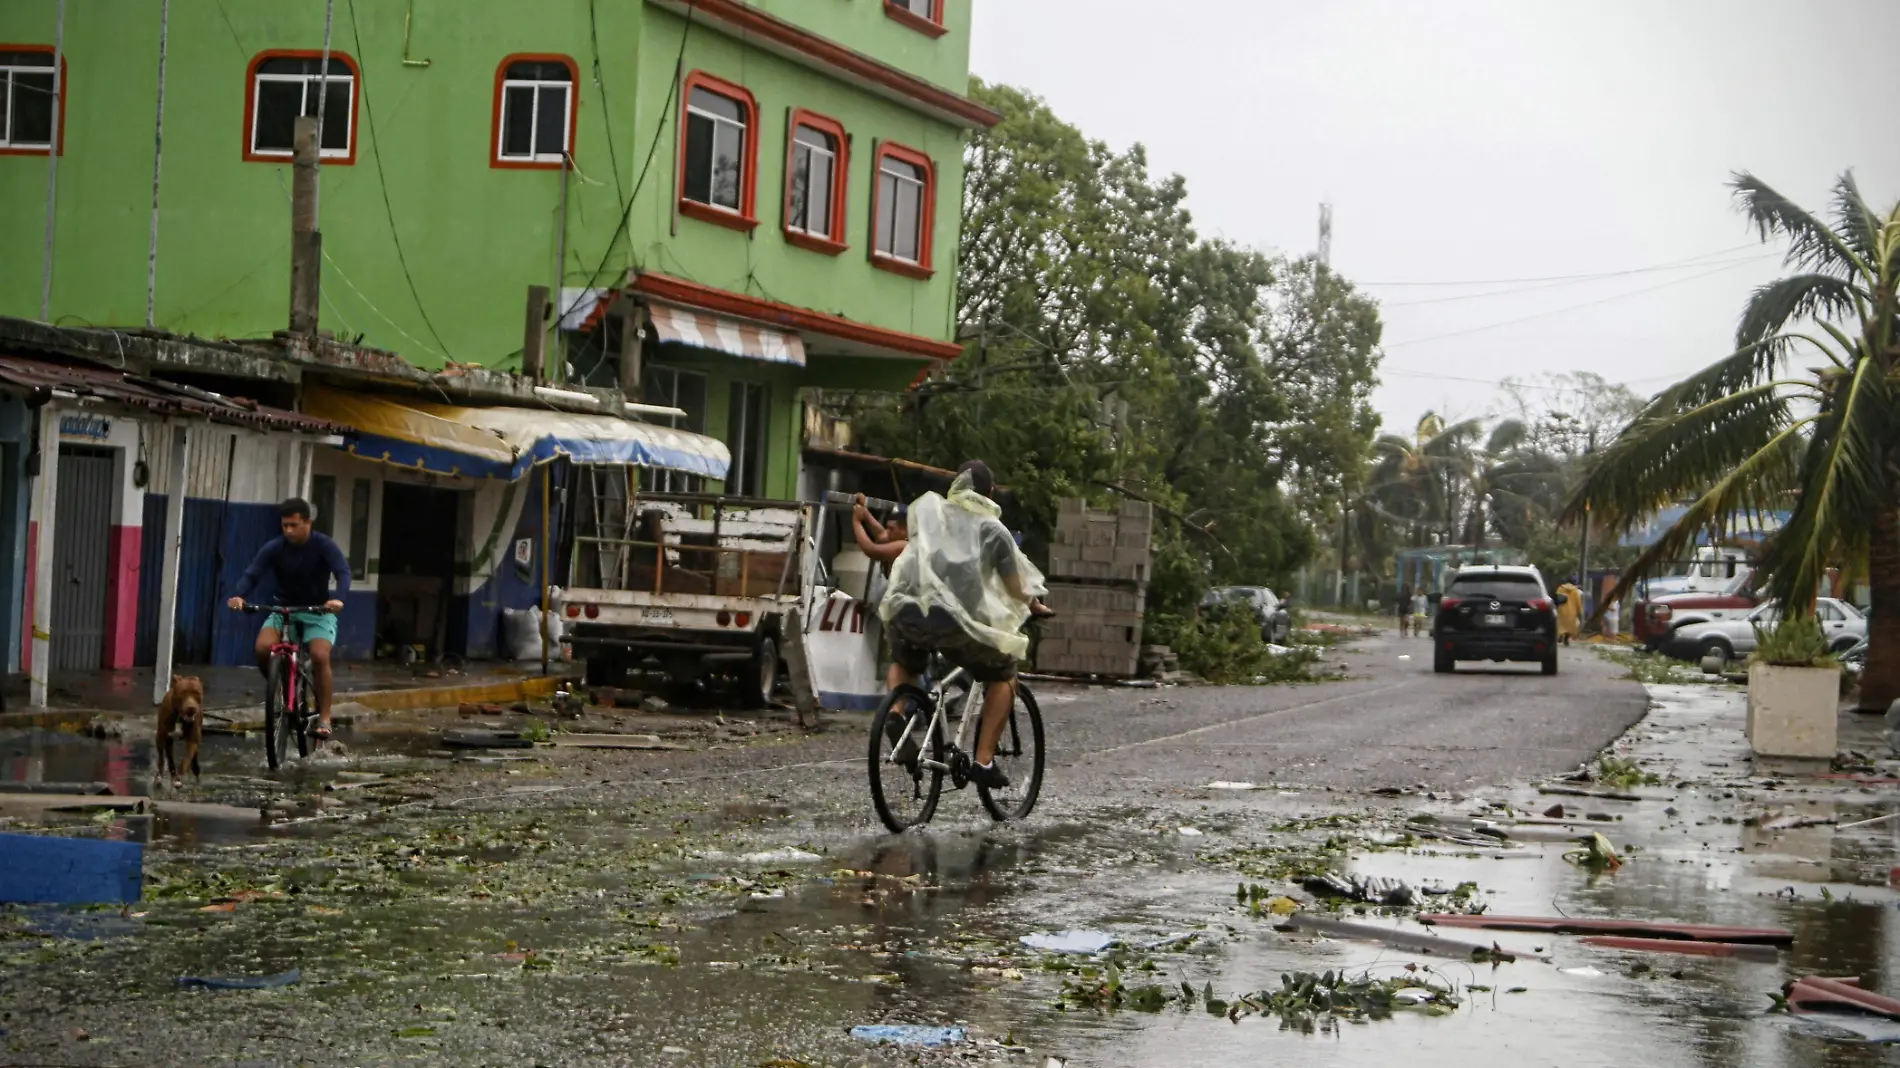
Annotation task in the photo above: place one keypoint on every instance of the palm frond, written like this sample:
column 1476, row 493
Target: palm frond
column 1752, row 489
column 1667, row 455
column 1508, row 436
column 1811, row 242
column 1857, row 224
column 1746, row 367
column 1843, row 480
column 1801, row 296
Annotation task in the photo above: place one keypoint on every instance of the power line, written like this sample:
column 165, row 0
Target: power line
column 1568, row 308
column 1554, row 285
column 1673, row 265
column 389, row 210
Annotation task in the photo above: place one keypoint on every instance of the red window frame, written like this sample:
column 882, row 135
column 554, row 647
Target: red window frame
column 927, row 222
column 747, row 217
column 833, row 243
column 495, row 159
column 59, row 135
column 250, row 102
column 929, row 27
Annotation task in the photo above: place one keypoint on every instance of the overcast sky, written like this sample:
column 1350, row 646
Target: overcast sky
column 1485, row 141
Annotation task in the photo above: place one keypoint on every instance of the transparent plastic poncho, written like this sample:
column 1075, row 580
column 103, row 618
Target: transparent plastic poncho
column 942, row 566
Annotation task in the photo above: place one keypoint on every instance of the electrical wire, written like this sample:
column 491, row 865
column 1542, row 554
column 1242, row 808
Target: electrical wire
column 1555, row 285
column 389, row 210
column 1568, row 308
column 659, row 131
column 1672, row 265
column 600, row 84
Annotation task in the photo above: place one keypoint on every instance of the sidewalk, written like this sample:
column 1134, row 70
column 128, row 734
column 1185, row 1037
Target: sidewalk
column 377, row 685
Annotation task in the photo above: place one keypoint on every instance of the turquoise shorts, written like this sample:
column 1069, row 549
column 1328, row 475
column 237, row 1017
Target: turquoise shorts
column 313, row 626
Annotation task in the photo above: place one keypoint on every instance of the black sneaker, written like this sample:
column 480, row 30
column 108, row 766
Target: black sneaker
column 906, row 751
column 989, row 776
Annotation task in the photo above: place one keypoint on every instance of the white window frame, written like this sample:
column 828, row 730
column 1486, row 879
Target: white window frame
column 7, row 72
column 887, row 205
column 566, row 86
column 831, row 193
column 258, row 79
column 745, row 130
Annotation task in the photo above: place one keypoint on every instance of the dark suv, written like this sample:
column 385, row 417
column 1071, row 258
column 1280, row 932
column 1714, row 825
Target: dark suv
column 1496, row 613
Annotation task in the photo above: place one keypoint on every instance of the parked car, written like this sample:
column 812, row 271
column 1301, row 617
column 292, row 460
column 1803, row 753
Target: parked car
column 1733, row 639
column 1496, row 613
column 1658, row 618
column 1854, row 660
column 1276, row 623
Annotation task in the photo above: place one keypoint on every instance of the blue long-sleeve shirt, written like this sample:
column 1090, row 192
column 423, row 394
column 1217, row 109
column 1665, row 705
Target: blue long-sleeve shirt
column 303, row 571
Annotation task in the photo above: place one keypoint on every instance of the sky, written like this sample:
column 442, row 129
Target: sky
column 1506, row 146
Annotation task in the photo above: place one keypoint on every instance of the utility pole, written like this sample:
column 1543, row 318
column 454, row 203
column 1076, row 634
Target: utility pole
column 1325, row 235
column 52, row 170
column 1583, row 550
column 158, row 162
column 306, row 242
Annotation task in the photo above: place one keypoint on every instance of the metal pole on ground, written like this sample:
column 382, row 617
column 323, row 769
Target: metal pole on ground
column 176, row 467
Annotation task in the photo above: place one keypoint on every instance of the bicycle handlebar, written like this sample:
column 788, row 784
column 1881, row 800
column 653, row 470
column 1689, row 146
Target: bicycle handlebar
column 270, row 609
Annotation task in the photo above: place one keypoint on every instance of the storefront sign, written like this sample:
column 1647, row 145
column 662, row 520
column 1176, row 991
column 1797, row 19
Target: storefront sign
column 85, row 427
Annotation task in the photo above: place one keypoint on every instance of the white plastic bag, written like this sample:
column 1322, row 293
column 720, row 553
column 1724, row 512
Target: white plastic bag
column 521, row 633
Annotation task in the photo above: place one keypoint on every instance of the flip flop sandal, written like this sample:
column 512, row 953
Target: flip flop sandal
column 322, row 733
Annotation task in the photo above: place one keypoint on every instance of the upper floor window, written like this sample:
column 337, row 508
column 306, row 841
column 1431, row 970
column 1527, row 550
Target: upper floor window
column 925, row 16
column 719, row 152
column 26, row 101
column 903, row 208
column 534, row 111
column 815, row 173
column 288, row 85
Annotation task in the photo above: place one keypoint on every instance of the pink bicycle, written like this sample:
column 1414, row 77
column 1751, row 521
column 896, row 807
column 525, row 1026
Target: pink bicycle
column 290, row 707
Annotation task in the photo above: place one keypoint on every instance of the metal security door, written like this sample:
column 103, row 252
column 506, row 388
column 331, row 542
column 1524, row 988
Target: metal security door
column 82, row 533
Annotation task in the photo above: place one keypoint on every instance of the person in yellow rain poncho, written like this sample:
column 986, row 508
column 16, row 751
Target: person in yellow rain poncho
column 1570, row 613
column 962, row 588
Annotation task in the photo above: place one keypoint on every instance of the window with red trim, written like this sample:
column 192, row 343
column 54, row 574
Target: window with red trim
column 535, row 111
column 285, row 86
column 719, row 152
column 26, row 100
column 903, row 210
column 924, row 16
column 817, row 165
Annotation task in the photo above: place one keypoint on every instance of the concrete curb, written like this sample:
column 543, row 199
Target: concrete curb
column 398, row 700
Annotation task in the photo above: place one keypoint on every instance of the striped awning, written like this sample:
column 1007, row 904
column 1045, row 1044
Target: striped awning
column 734, row 337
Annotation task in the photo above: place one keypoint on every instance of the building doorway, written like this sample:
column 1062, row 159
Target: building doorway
column 82, row 524
column 416, row 569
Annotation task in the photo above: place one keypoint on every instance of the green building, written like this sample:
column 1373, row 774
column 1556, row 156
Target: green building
column 782, row 162
column 729, row 204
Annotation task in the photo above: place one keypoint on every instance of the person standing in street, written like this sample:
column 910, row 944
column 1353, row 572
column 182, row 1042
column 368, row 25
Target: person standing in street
column 1570, row 613
column 1405, row 609
column 1421, row 614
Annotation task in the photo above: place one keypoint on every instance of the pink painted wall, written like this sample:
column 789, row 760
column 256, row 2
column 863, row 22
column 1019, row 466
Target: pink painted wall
column 122, row 595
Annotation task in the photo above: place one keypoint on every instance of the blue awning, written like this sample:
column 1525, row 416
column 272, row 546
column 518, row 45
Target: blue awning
column 505, row 442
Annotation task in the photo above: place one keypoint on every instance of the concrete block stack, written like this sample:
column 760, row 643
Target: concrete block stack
column 1099, row 566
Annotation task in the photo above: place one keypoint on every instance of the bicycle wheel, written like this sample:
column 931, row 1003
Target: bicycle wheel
column 1019, row 754
column 905, row 795
column 277, row 714
column 302, row 716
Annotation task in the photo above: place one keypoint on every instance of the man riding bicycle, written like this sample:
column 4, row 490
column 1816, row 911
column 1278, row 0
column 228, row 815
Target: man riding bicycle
column 303, row 561
column 962, row 588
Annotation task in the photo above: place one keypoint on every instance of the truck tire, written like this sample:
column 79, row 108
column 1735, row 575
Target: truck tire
column 762, row 674
column 1715, row 647
column 605, row 669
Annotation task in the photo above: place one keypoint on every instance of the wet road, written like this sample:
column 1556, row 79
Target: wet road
column 736, row 906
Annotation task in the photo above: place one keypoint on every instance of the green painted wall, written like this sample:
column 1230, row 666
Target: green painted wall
column 474, row 237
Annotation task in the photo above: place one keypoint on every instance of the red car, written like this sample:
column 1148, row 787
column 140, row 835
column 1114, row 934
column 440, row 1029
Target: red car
column 1657, row 619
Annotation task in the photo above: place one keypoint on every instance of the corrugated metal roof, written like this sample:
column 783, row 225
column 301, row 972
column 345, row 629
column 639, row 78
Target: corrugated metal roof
column 154, row 395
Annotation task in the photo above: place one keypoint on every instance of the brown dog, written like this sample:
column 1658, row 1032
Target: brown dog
column 183, row 708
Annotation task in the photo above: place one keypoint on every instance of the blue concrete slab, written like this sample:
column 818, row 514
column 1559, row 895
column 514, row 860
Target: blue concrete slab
column 37, row 869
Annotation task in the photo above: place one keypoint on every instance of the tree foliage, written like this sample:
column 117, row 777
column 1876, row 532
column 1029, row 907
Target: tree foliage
column 1113, row 349
column 1803, row 415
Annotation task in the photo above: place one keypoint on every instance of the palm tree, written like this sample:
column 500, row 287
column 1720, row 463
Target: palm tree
column 1759, row 431
column 1422, row 481
column 1511, row 484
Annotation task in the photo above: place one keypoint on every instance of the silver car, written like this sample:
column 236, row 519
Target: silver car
column 1733, row 639
column 1276, row 623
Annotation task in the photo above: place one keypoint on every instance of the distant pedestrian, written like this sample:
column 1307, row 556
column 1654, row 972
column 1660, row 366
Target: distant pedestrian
column 1405, row 609
column 1570, row 613
column 1613, row 619
column 1421, row 614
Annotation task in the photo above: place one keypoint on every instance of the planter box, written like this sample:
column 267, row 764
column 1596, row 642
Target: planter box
column 1793, row 712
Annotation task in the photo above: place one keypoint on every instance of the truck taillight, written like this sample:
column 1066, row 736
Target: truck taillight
column 745, row 619
column 573, row 611
column 593, row 611
column 725, row 619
